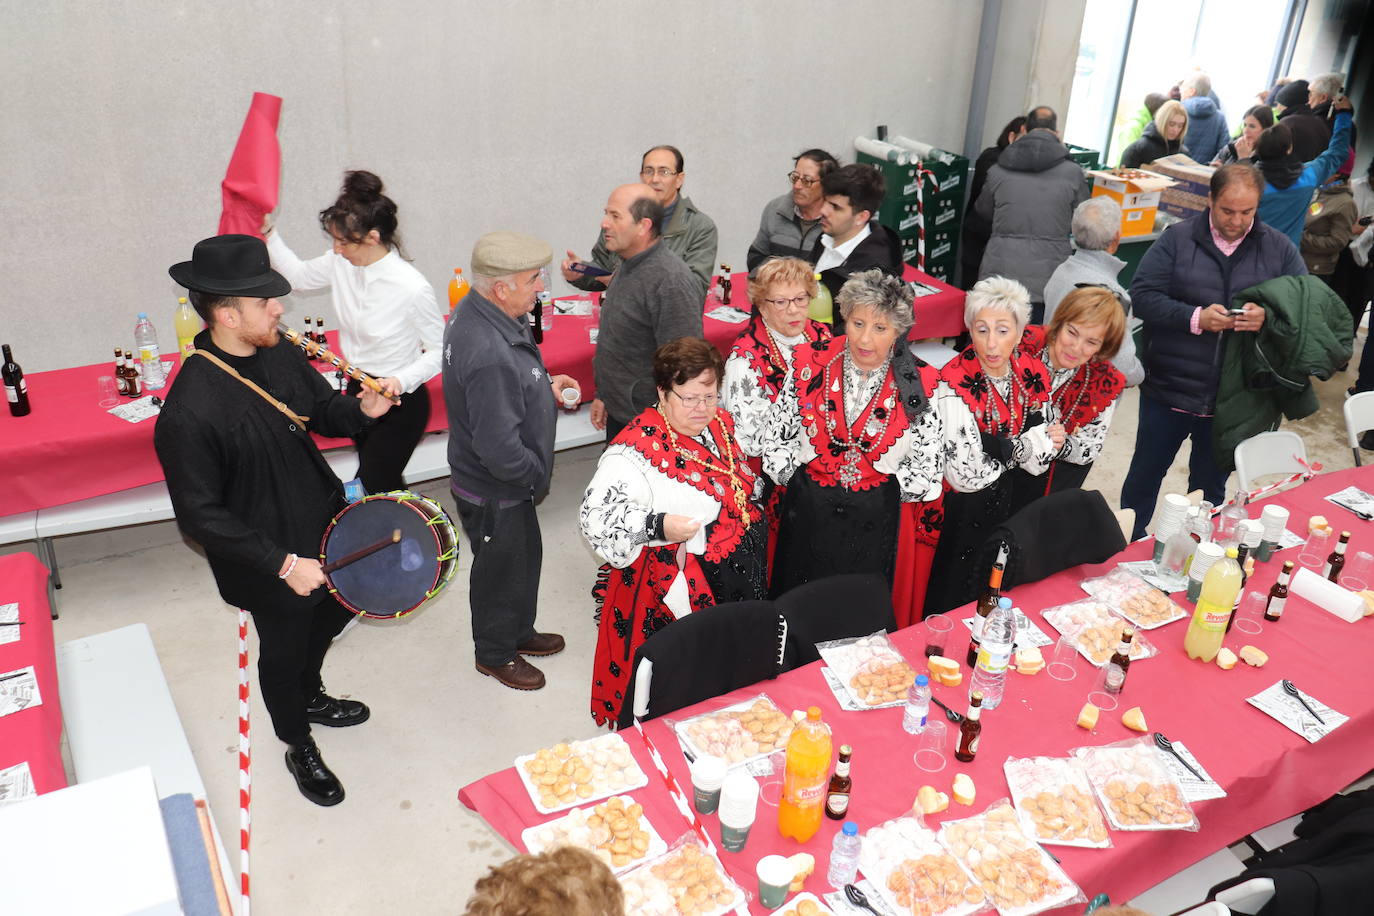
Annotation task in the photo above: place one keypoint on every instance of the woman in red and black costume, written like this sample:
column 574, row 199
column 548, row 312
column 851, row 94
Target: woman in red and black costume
column 1083, row 335
column 1006, row 393
column 853, row 435
column 673, row 512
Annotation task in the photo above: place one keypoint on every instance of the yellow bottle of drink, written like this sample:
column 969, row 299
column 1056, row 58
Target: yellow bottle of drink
column 188, row 326
column 806, row 778
column 457, row 288
column 1220, row 587
column 822, row 307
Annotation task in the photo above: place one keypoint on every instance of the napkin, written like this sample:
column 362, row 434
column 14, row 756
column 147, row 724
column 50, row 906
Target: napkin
column 18, row 690
column 1027, row 633
column 1162, row 579
column 16, row 783
column 9, row 613
column 1291, row 714
column 1354, row 499
column 1194, row 789
column 251, row 183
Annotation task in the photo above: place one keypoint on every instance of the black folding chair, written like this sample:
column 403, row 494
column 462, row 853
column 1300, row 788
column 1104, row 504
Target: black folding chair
column 833, row 608
column 1054, row 533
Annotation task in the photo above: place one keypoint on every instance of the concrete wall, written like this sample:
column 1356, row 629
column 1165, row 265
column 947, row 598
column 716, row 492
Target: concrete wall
column 120, row 118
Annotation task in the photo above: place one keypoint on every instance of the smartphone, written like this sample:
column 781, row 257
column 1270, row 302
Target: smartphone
column 1366, row 220
column 1235, row 313
column 590, row 270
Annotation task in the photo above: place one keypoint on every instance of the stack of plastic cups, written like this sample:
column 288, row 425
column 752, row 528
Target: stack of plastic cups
column 1273, row 521
column 1249, row 533
column 1171, row 516
column 739, row 797
column 1207, row 553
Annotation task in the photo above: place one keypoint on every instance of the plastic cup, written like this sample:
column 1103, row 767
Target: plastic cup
column 775, row 877
column 1063, row 664
column 1355, row 575
column 770, row 786
column 1315, row 551
column 1273, row 520
column 930, row 751
column 708, row 775
column 739, row 798
column 571, row 397
column 1100, row 696
column 938, row 628
column 107, row 392
column 1250, row 614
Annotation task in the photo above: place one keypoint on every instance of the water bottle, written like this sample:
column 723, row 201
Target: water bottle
column 994, row 653
column 145, row 338
column 917, row 706
column 844, row 856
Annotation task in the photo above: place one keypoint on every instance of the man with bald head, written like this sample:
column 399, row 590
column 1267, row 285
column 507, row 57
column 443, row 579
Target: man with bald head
column 653, row 299
column 687, row 232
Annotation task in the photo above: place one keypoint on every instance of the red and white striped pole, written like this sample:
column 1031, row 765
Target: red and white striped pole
column 245, row 765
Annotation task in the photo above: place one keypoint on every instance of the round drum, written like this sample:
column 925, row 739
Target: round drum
column 398, row 578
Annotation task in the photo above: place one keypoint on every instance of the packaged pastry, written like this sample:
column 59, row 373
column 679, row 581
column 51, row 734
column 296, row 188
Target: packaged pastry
column 1096, row 630
column 914, row 874
column 871, row 669
column 1135, row 788
column 739, row 733
column 1134, row 598
column 615, row 830
column 807, row 904
column 574, row 773
column 1056, row 801
column 685, row 881
column 1013, row 871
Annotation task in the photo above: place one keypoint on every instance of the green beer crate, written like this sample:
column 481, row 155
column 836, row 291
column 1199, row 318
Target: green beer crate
column 1088, row 158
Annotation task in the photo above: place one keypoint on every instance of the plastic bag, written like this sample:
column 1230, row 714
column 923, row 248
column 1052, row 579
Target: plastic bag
column 1056, row 801
column 739, row 733
column 1134, row 598
column 575, row 773
column 1017, row 875
column 685, row 881
column 913, row 873
column 1096, row 629
column 871, row 669
column 1135, row 788
column 615, row 831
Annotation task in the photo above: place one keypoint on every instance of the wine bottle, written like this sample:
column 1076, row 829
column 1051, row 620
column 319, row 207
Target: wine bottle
column 16, row 388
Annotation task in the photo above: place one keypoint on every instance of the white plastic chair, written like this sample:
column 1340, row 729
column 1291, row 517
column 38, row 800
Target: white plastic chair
column 1359, row 416
column 1276, row 452
column 1248, row 896
column 1211, row 908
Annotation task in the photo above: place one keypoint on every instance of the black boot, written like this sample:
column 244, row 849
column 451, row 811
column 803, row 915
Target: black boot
column 315, row 780
column 326, row 710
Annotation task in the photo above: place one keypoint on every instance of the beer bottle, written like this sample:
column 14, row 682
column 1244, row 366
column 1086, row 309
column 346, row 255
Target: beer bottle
column 986, row 605
column 308, row 336
column 837, row 796
column 319, row 334
column 121, row 382
column 1278, row 594
column 725, row 284
column 133, row 385
column 970, row 729
column 1336, row 561
column 1242, row 554
column 1119, row 662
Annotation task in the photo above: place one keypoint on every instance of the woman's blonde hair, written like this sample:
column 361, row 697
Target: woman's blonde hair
column 781, row 270
column 1088, row 306
column 564, row 881
column 1165, row 113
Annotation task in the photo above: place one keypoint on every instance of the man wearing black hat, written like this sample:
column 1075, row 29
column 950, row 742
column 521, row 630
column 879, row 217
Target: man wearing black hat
column 249, row 485
column 1311, row 134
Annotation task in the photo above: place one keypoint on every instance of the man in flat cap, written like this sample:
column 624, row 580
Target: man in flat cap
column 249, row 485
column 501, row 415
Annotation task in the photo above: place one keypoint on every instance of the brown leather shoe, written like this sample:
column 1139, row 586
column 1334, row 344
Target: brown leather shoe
column 542, row 644
column 517, row 674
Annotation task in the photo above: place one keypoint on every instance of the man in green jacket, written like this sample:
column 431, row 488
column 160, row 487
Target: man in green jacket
column 687, row 232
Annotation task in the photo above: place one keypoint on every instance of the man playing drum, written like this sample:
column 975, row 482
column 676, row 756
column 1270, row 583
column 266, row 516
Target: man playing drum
column 248, row 483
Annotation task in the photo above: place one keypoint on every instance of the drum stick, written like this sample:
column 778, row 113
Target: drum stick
column 393, row 538
column 338, row 362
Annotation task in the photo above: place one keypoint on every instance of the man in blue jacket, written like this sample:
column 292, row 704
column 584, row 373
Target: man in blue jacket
column 1207, row 130
column 1182, row 293
column 502, row 417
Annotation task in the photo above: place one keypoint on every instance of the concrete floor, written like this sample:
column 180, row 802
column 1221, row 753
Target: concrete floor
column 401, row 841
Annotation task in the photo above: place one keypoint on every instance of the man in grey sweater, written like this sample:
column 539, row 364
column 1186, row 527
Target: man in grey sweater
column 653, row 298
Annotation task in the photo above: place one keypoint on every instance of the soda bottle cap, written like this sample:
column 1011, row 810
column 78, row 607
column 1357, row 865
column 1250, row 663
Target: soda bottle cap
column 1004, row 602
column 1232, row 552
column 846, row 749
column 850, row 828
column 181, row 300
column 922, row 681
column 142, row 314
column 813, row 713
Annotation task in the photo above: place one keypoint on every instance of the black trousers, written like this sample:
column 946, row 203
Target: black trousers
column 507, row 553
column 291, row 648
column 386, row 446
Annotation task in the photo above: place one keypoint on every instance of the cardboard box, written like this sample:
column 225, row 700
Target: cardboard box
column 1188, row 196
column 1137, row 191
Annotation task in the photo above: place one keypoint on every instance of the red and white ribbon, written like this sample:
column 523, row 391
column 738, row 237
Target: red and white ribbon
column 922, row 173
column 675, row 791
column 245, row 765
column 1310, row 470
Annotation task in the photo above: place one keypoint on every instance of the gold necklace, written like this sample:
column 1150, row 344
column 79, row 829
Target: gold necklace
column 710, row 463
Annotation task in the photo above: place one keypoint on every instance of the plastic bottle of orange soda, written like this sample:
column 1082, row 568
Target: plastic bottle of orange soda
column 457, row 288
column 806, row 778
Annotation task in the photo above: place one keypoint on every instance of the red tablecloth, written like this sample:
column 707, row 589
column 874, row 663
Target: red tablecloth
column 33, row 734
column 1269, row 772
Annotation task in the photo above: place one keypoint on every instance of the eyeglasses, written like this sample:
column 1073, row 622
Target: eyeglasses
column 705, row 400
column 807, row 180
column 661, row 172
column 796, row 302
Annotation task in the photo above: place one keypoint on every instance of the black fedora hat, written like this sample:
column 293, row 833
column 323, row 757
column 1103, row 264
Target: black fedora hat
column 231, row 265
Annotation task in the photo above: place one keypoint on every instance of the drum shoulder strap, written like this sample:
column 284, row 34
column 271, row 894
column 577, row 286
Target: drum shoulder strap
column 251, row 384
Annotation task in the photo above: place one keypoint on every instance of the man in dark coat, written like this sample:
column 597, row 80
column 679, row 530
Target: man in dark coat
column 1182, row 292
column 249, row 485
column 853, row 239
column 1311, row 134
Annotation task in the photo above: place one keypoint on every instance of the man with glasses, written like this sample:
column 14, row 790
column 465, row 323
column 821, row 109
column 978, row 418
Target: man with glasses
column 791, row 224
column 688, row 233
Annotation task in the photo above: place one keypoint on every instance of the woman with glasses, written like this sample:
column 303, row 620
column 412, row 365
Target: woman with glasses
column 1005, row 392
column 1077, row 347
column 672, row 510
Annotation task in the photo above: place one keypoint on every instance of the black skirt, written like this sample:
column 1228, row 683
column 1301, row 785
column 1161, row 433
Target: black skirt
column 830, row 531
column 969, row 520
column 743, row 574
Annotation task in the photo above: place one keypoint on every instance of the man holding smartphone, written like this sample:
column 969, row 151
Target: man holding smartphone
column 1183, row 292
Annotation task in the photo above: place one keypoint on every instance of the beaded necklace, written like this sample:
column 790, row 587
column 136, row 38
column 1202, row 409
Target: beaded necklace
column 1066, row 415
column 712, row 462
column 872, row 420
column 1016, row 398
